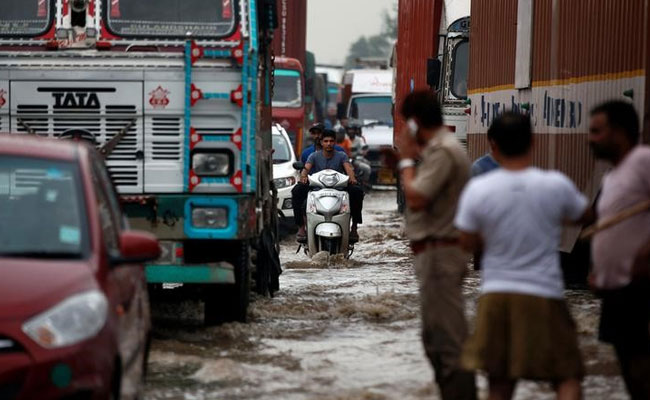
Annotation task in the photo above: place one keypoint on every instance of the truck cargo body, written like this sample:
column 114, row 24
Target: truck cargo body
column 556, row 61
column 432, row 53
column 189, row 122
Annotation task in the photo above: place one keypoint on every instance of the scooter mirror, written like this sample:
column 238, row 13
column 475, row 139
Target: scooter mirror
column 298, row 165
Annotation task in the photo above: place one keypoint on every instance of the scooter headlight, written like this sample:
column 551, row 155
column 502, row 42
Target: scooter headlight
column 329, row 180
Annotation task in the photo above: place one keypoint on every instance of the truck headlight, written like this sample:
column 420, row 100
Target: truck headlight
column 284, row 182
column 211, row 164
column 73, row 320
column 209, row 217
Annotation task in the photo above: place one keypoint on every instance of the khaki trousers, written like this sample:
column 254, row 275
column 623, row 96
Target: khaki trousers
column 440, row 272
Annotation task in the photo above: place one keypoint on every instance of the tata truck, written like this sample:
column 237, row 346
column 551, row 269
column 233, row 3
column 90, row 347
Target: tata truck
column 175, row 94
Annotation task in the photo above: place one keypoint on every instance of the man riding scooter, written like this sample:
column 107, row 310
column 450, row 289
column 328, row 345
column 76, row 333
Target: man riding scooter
column 327, row 158
column 358, row 150
column 316, row 131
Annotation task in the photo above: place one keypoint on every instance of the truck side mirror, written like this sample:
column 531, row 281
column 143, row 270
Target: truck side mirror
column 433, row 72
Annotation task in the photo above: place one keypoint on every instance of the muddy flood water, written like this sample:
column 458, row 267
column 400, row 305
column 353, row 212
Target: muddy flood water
column 338, row 329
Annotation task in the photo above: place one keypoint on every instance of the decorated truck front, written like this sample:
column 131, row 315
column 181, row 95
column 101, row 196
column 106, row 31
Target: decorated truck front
column 176, row 95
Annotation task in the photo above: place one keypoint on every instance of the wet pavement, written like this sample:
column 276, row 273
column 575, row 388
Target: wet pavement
column 338, row 329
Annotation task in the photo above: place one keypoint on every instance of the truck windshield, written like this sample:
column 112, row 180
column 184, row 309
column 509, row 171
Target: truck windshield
column 287, row 90
column 459, row 70
column 171, row 18
column 281, row 150
column 51, row 189
column 372, row 109
column 24, row 17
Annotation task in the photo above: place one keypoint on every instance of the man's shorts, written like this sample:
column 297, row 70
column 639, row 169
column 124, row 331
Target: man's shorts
column 521, row 336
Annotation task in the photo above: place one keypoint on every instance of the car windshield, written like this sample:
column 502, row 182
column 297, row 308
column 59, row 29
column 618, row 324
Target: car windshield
column 171, row 18
column 372, row 109
column 281, row 150
column 287, row 91
column 24, row 17
column 41, row 209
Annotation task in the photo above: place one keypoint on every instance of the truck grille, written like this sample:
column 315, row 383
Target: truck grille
column 4, row 123
column 164, row 141
column 125, row 162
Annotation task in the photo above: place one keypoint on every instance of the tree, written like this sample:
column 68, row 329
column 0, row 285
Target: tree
column 376, row 46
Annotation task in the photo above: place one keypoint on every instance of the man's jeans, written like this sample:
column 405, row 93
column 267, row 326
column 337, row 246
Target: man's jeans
column 299, row 199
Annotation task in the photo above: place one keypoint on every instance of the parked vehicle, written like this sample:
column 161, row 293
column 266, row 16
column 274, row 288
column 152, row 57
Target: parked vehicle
column 178, row 98
column 289, row 99
column 328, row 214
column 74, row 311
column 514, row 68
column 285, row 176
column 367, row 95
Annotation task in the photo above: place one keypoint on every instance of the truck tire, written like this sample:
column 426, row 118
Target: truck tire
column 229, row 303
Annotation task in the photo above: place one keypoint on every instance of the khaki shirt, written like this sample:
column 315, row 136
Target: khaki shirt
column 440, row 176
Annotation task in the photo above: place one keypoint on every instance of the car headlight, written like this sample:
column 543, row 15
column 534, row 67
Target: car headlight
column 211, row 164
column 284, row 182
column 209, row 217
column 75, row 319
column 329, row 180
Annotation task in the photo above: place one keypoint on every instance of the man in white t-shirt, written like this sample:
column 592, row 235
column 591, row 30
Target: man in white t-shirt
column 515, row 216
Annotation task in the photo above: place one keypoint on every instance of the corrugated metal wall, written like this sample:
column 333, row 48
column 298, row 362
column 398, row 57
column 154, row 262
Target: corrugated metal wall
column 290, row 39
column 417, row 40
column 493, row 39
column 585, row 51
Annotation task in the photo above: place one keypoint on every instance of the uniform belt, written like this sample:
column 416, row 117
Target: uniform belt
column 418, row 246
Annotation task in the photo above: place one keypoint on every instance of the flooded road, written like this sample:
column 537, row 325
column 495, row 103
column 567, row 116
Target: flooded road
column 338, row 329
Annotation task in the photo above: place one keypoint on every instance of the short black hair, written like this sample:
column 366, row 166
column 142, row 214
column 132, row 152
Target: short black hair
column 512, row 133
column 620, row 115
column 423, row 105
column 328, row 133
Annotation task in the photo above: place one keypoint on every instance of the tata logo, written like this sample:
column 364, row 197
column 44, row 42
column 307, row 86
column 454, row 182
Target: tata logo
column 76, row 100
column 76, row 97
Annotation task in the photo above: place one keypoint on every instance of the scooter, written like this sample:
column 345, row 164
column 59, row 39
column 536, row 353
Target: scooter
column 328, row 214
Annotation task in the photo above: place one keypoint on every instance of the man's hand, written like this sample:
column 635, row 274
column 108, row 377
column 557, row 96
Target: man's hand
column 353, row 180
column 407, row 145
column 304, row 179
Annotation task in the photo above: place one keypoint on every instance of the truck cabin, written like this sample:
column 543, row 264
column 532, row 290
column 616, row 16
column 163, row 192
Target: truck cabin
column 371, row 109
column 114, row 24
column 288, row 100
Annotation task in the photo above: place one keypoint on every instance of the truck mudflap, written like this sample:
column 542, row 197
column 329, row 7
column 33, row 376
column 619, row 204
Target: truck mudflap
column 220, row 272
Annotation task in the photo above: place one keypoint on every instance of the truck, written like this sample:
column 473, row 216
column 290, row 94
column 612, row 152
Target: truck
column 176, row 96
column 367, row 99
column 432, row 53
column 289, row 99
column 555, row 62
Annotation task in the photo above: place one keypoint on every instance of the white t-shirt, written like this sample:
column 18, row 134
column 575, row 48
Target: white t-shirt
column 519, row 215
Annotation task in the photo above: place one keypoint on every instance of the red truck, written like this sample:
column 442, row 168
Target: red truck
column 288, row 99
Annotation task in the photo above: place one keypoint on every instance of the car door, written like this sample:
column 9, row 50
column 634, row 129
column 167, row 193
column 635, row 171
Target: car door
column 127, row 282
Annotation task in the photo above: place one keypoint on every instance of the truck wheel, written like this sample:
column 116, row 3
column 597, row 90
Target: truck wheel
column 228, row 303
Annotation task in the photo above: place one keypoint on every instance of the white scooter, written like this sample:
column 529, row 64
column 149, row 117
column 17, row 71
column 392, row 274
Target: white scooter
column 328, row 214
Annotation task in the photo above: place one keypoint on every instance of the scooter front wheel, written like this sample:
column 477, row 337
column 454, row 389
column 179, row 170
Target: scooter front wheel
column 329, row 245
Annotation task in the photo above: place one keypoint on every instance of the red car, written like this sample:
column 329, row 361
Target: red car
column 74, row 312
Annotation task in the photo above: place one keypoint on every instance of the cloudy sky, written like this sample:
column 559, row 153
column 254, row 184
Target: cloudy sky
column 332, row 25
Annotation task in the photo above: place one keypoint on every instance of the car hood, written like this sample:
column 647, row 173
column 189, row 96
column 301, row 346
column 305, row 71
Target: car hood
column 31, row 286
column 378, row 135
column 284, row 170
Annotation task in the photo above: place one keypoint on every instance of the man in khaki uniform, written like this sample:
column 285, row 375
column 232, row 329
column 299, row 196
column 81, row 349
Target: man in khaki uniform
column 432, row 190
